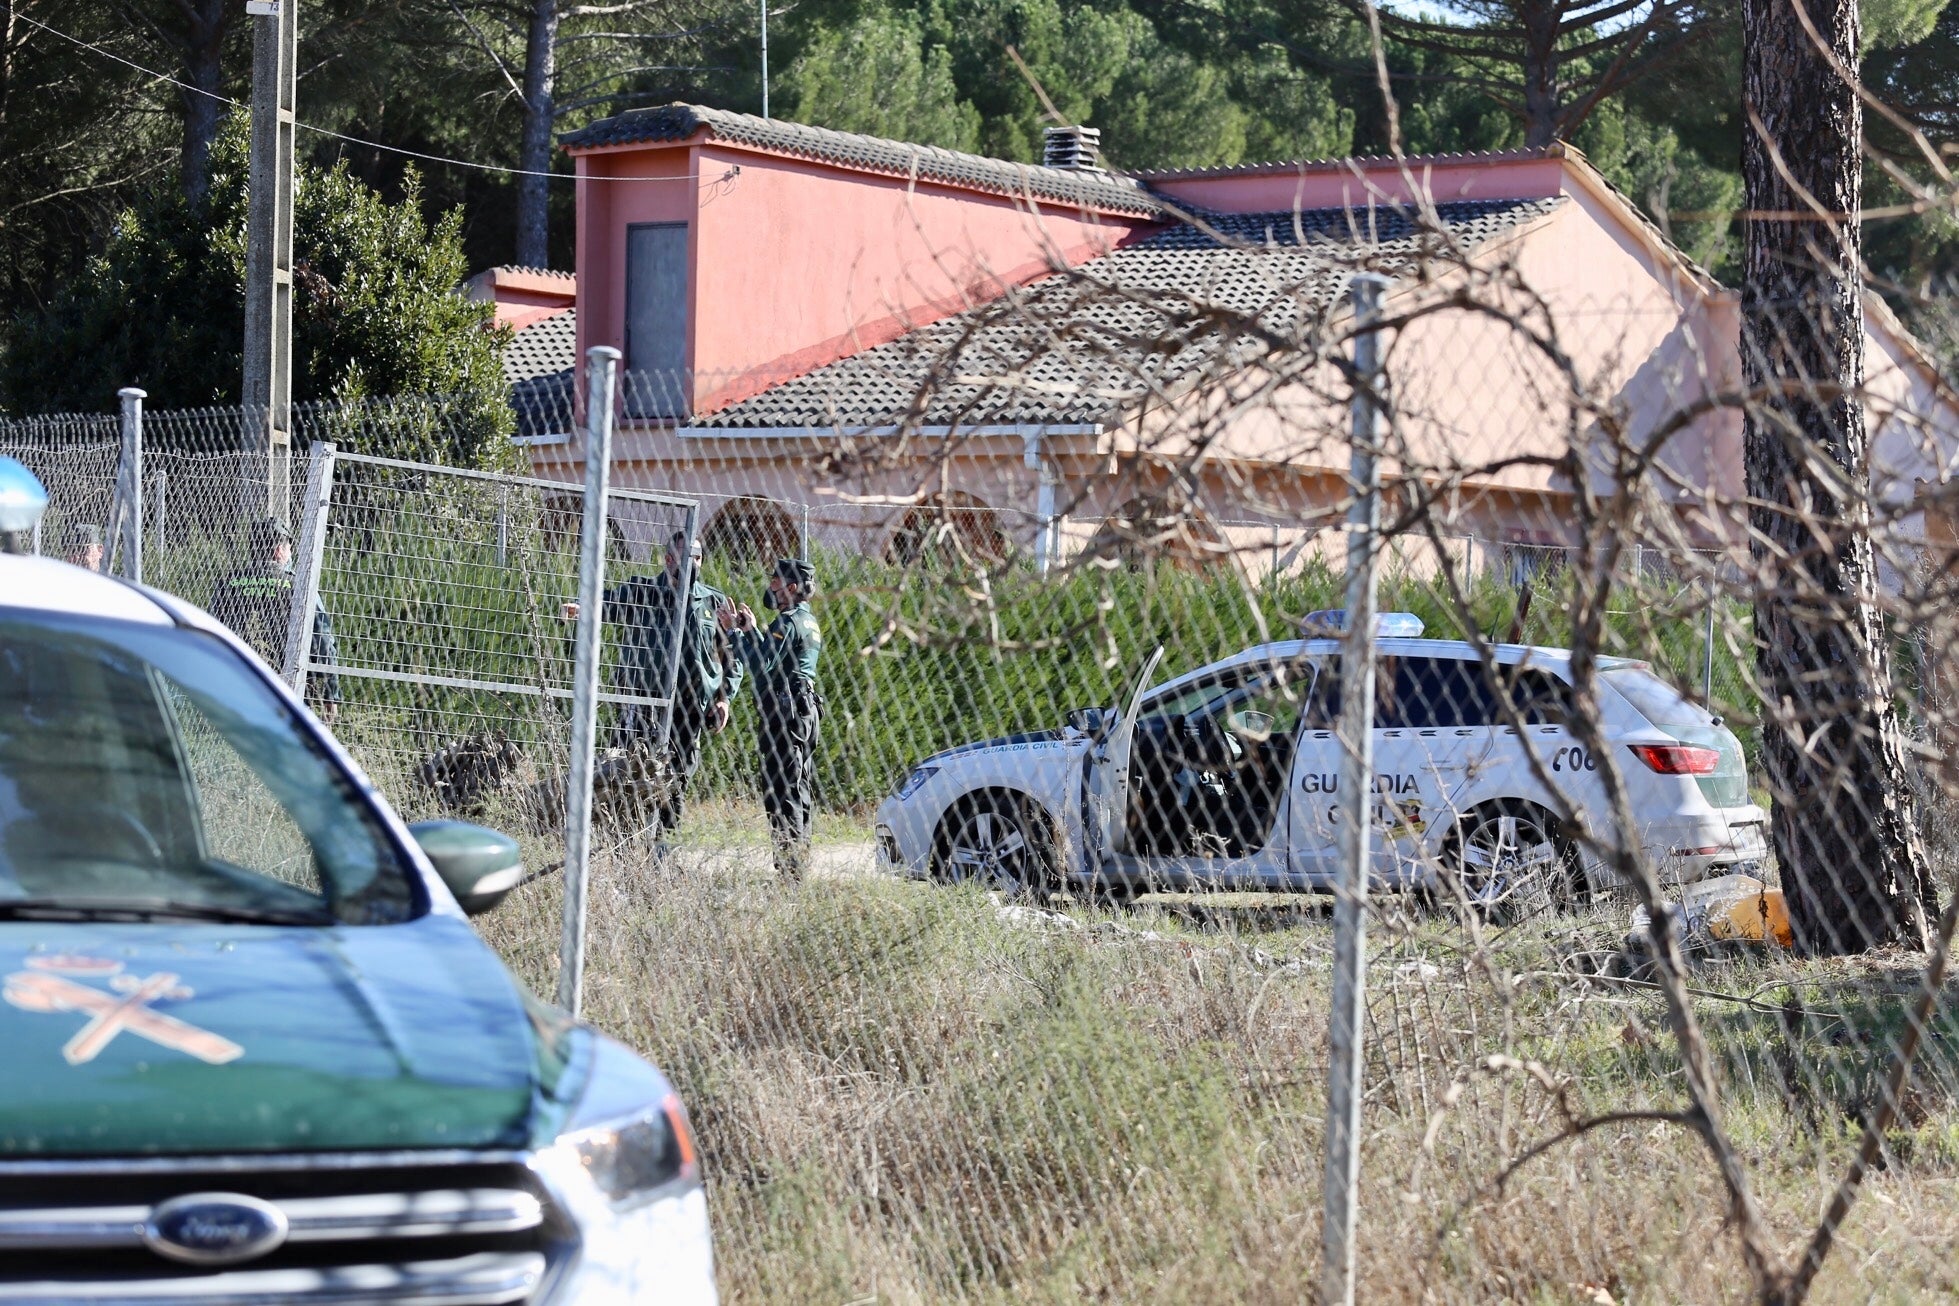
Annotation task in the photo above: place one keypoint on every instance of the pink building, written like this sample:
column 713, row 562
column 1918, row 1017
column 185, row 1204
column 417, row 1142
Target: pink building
column 884, row 338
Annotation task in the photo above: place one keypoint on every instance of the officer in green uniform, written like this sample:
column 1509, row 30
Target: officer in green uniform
column 256, row 602
column 707, row 677
column 783, row 660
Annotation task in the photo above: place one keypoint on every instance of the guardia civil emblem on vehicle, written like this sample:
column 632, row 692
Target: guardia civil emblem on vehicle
column 54, row 984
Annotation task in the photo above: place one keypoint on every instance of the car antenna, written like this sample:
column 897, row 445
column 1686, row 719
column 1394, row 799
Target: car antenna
column 1521, row 615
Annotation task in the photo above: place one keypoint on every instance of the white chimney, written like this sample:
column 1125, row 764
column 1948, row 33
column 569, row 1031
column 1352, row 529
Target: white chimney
column 1078, row 149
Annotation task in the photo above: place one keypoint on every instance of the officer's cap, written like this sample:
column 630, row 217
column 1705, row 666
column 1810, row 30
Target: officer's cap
column 268, row 533
column 81, row 535
column 797, row 572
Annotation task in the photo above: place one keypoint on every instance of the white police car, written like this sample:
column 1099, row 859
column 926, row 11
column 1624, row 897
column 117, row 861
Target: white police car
column 1229, row 777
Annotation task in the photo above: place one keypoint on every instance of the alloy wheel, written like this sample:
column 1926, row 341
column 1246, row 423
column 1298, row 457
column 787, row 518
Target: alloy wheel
column 1511, row 865
column 992, row 847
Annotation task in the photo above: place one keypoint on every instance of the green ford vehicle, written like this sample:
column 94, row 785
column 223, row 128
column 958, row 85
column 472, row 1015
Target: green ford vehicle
column 251, row 1049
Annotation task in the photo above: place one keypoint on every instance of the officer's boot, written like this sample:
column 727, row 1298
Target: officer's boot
column 791, row 859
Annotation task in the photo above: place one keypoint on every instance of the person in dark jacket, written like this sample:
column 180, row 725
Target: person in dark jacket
column 256, row 600
column 705, row 678
column 782, row 659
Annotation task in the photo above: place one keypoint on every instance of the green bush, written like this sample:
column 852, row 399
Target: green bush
column 376, row 312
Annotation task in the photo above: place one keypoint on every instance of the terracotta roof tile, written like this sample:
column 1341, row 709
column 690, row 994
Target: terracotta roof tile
column 538, row 364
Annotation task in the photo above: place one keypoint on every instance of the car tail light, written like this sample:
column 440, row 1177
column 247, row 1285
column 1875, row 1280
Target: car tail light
column 1677, row 759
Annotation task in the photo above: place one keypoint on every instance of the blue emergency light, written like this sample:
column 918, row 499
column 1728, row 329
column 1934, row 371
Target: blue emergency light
column 22, row 501
column 1329, row 622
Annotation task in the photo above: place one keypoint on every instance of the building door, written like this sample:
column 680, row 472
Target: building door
column 656, row 320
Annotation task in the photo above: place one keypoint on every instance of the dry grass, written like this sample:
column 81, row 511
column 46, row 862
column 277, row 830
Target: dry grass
column 906, row 1095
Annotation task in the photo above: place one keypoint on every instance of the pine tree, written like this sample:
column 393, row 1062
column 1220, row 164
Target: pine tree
column 1844, row 823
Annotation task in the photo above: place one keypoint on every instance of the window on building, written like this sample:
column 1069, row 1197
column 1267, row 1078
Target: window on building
column 656, row 319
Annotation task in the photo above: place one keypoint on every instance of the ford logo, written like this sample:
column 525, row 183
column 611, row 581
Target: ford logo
column 214, row 1228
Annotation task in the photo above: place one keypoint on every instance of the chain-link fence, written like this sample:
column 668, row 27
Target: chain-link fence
column 1659, row 895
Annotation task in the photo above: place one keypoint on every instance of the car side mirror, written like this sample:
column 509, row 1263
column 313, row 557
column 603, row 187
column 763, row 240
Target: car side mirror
column 480, row 865
column 1088, row 720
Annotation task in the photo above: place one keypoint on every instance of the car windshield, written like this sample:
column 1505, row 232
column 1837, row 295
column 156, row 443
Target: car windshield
column 1656, row 700
column 148, row 772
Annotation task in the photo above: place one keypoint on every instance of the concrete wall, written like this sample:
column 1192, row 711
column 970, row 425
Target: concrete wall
column 616, row 189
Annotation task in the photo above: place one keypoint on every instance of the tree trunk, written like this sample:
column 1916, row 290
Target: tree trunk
column 1844, row 823
column 1541, row 89
column 203, row 48
column 540, row 116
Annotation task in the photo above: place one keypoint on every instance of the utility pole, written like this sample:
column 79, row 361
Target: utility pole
column 268, row 250
column 765, row 58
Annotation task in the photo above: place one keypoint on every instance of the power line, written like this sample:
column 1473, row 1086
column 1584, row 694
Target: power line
column 443, row 159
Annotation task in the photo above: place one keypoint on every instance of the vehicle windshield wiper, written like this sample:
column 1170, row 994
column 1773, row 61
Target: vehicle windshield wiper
column 150, row 909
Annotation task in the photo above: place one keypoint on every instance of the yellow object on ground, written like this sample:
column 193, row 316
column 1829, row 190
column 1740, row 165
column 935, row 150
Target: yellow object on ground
column 1738, row 907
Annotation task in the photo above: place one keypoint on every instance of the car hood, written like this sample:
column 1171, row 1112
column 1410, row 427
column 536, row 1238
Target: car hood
column 127, row 1039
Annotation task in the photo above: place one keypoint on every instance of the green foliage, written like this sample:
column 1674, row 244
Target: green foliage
column 1892, row 23
column 1692, row 201
column 875, row 75
column 937, row 72
column 376, row 311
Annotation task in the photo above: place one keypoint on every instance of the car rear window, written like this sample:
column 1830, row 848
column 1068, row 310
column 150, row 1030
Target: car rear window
column 1656, row 700
column 1457, row 692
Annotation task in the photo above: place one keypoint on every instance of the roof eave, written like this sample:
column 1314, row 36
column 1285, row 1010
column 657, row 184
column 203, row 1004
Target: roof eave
column 699, row 136
column 1580, row 171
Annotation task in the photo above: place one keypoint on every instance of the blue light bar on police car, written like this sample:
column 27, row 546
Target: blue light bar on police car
column 22, row 498
column 1329, row 622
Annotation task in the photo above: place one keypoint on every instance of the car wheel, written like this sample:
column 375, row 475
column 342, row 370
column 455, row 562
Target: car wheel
column 999, row 843
column 1510, row 864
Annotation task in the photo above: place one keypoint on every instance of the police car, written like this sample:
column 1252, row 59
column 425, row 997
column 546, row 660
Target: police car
column 254, row 1050
column 1229, row 777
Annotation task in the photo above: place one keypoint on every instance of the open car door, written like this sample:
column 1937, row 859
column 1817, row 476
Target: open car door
column 1105, row 797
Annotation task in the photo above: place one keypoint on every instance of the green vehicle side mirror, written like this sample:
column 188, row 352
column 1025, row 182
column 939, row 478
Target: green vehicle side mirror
column 478, row 864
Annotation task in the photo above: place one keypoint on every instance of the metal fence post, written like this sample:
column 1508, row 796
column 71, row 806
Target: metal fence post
column 1713, row 596
column 132, row 481
column 309, row 561
column 601, row 376
column 1343, row 1089
column 162, row 509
